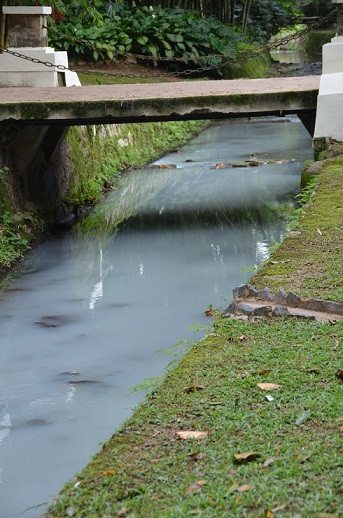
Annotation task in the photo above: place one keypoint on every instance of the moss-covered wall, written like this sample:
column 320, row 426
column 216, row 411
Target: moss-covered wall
column 314, row 41
column 254, row 68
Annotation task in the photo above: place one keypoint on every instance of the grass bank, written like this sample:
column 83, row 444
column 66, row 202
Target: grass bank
column 211, row 441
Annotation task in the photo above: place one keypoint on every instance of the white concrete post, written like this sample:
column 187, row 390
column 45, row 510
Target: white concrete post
column 329, row 119
column 28, row 36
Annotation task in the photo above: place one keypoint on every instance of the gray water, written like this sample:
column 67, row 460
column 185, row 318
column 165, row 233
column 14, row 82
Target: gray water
column 295, row 56
column 80, row 327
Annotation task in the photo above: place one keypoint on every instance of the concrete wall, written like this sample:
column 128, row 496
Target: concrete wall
column 37, row 169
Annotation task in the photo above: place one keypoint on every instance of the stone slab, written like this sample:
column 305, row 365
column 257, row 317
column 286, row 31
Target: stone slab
column 22, row 9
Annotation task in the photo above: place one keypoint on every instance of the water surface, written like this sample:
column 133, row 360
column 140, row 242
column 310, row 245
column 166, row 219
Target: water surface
column 81, row 326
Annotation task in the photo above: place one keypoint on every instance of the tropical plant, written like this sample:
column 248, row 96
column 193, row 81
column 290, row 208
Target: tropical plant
column 175, row 38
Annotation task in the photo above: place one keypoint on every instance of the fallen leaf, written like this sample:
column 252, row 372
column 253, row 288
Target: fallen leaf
column 339, row 419
column 278, row 508
column 242, row 489
column 197, row 456
column 267, row 462
column 195, row 487
column 263, row 372
column 339, row 375
column 232, row 472
column 241, row 338
column 336, row 346
column 268, row 386
column 302, row 418
column 328, row 515
column 190, row 434
column 247, row 455
column 313, row 369
column 108, row 473
column 232, row 489
column 193, row 388
column 155, row 434
column 269, row 397
column 269, row 514
column 122, row 512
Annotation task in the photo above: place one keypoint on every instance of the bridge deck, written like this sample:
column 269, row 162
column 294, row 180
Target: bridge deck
column 159, row 101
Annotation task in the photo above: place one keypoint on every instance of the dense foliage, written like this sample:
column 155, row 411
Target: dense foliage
column 202, row 27
column 148, row 32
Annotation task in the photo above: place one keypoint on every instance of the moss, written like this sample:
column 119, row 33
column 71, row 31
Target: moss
column 257, row 67
column 4, row 198
column 314, row 40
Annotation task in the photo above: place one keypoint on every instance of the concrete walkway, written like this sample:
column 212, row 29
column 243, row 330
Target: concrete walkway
column 160, row 101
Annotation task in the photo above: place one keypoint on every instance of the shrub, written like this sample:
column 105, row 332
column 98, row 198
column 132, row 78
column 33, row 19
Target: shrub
column 183, row 39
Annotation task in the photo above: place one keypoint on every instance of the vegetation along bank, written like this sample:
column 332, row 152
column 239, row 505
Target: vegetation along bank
column 250, row 422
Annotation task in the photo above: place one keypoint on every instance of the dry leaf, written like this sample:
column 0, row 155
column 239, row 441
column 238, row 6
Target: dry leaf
column 339, row 419
column 108, row 473
column 267, row 462
column 269, row 514
column 302, row 418
column 263, row 372
column 241, row 338
column 197, row 456
column 278, row 508
column 193, row 388
column 336, row 346
column 268, row 386
column 247, row 455
column 269, row 397
column 242, row 489
column 195, row 487
column 313, row 369
column 232, row 489
column 232, row 472
column 190, row 434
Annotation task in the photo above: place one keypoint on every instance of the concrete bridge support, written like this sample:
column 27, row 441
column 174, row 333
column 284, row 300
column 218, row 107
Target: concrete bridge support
column 329, row 120
column 28, row 37
column 39, row 169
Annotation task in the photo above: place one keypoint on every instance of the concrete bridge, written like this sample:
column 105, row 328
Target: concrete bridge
column 159, row 102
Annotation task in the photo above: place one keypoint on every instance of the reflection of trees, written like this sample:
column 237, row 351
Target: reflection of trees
column 192, row 197
column 133, row 191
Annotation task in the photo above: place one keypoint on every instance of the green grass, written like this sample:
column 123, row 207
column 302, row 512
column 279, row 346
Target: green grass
column 146, row 470
column 99, row 79
column 310, row 260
